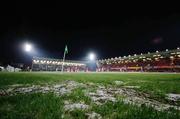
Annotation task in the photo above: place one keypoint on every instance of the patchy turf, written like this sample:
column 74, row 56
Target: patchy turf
column 91, row 95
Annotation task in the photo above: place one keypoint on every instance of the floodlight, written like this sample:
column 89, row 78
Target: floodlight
column 92, row 56
column 27, row 47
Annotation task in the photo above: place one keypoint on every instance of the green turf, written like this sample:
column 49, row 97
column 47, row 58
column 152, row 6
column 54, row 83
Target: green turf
column 31, row 106
column 49, row 106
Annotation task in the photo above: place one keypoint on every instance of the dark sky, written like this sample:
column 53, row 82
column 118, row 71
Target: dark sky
column 108, row 31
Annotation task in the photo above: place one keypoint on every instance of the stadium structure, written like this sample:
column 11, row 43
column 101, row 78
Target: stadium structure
column 159, row 61
column 49, row 64
column 165, row 61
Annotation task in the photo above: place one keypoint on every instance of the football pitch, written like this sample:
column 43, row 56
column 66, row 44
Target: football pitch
column 45, row 95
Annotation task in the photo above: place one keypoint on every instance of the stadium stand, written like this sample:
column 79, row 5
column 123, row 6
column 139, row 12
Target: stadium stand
column 165, row 61
column 49, row 64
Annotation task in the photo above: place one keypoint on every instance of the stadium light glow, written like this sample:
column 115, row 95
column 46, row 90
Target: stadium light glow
column 92, row 56
column 171, row 57
column 27, row 47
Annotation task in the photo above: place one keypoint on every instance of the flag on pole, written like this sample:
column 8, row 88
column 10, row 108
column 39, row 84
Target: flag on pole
column 66, row 50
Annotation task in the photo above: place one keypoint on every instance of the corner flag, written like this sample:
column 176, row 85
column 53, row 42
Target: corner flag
column 66, row 50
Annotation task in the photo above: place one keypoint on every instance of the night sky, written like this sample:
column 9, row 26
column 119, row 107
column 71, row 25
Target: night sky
column 108, row 32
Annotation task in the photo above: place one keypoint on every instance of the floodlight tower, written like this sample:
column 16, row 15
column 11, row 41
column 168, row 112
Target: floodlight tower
column 28, row 48
column 91, row 61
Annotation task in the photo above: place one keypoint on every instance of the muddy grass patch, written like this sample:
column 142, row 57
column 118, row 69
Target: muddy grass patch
column 65, row 87
column 93, row 93
column 74, row 106
column 131, row 96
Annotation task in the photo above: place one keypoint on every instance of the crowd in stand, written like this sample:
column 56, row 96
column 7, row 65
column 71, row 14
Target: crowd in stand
column 48, row 64
column 165, row 61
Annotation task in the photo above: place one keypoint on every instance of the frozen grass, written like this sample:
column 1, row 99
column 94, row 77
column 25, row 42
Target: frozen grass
column 31, row 106
column 49, row 106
